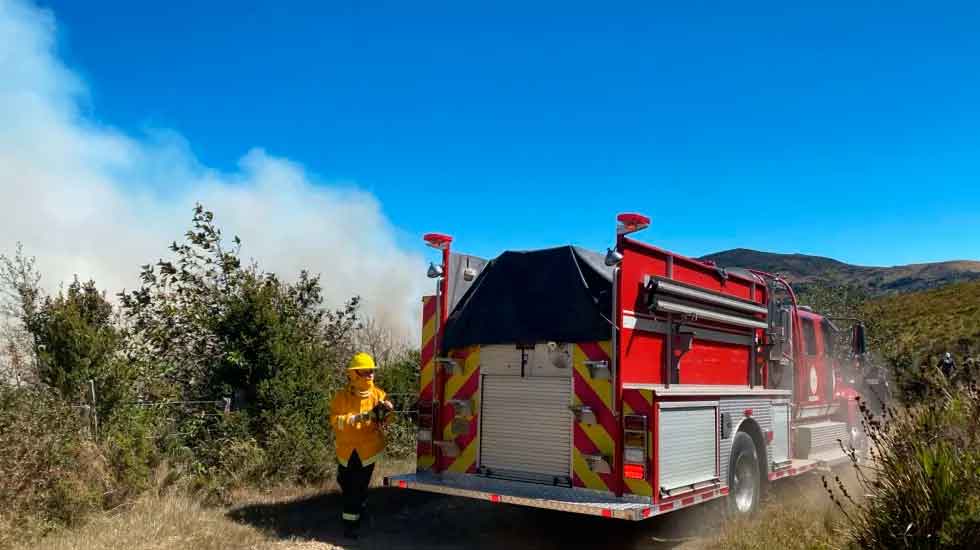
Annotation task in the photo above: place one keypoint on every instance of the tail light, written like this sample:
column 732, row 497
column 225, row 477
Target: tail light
column 634, row 471
column 635, row 446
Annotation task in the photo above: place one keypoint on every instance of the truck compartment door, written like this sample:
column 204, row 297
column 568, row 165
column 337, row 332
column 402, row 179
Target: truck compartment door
column 526, row 428
column 688, row 444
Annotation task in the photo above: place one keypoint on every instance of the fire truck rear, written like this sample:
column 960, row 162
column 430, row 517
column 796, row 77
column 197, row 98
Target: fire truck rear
column 627, row 385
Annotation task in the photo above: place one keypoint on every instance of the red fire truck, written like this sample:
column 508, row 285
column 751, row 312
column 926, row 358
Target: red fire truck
column 627, row 385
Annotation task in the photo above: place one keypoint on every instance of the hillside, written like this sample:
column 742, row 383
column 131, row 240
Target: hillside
column 804, row 269
column 927, row 323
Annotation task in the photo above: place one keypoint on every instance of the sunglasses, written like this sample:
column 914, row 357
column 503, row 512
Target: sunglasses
column 365, row 373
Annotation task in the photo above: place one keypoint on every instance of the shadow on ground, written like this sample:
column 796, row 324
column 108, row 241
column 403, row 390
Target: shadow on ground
column 409, row 519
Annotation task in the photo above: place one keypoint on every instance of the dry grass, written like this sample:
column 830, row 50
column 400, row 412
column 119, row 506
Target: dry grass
column 167, row 523
column 175, row 521
column 799, row 516
column 790, row 527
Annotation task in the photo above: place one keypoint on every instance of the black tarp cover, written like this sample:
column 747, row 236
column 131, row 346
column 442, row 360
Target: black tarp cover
column 559, row 294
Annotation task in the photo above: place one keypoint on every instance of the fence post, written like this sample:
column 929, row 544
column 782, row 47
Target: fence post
column 95, row 410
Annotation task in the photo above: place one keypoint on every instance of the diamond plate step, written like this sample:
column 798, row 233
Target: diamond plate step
column 819, row 437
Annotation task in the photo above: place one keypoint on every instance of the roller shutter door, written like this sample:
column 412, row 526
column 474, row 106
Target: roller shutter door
column 688, row 452
column 780, row 429
column 526, row 425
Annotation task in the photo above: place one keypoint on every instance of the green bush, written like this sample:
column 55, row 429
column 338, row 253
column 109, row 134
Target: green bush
column 76, row 341
column 921, row 486
column 213, row 328
column 400, row 378
column 52, row 474
column 129, row 440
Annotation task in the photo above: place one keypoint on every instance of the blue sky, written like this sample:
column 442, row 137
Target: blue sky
column 829, row 129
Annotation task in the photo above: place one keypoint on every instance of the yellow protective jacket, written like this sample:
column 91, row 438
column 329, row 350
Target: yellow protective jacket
column 362, row 435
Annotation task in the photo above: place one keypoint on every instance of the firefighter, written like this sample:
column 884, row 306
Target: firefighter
column 947, row 365
column 356, row 416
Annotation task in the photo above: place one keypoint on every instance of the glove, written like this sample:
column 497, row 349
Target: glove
column 379, row 412
column 355, row 418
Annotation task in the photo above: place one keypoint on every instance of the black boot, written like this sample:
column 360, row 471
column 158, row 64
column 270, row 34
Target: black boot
column 365, row 514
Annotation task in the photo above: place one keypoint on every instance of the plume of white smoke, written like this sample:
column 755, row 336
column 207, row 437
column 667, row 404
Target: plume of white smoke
column 90, row 200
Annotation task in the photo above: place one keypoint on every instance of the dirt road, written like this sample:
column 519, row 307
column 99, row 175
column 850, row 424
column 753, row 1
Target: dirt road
column 411, row 520
column 304, row 518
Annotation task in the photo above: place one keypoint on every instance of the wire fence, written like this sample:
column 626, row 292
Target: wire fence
column 219, row 407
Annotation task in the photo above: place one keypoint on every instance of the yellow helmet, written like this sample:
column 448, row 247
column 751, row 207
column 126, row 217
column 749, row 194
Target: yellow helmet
column 361, row 361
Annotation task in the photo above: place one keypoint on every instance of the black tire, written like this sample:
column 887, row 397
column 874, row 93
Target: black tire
column 744, row 478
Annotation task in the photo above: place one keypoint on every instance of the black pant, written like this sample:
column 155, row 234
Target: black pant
column 354, row 480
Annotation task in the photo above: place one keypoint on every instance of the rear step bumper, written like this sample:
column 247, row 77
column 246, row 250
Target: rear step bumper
column 820, row 462
column 581, row 501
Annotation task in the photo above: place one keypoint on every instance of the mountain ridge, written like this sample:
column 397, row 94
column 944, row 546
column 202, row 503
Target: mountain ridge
column 804, row 269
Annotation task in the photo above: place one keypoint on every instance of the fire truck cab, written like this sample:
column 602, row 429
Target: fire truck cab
column 624, row 385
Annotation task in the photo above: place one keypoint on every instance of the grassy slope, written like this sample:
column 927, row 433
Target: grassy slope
column 928, row 323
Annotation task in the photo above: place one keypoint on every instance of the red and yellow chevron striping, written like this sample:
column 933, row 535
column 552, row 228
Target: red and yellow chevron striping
column 462, row 386
column 430, row 322
column 599, row 438
column 640, row 402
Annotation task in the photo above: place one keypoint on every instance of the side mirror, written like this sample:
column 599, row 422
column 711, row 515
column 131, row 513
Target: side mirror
column 858, row 344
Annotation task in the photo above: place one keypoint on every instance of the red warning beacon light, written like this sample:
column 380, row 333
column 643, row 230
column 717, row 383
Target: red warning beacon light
column 631, row 222
column 437, row 240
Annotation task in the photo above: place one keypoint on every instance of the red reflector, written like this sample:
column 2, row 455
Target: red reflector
column 687, row 501
column 606, row 513
column 769, row 436
column 668, row 506
column 494, row 498
column 748, row 412
column 647, row 512
column 724, row 491
column 634, row 471
column 402, row 485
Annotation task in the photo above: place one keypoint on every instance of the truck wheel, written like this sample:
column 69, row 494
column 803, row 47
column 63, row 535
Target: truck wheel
column 744, row 483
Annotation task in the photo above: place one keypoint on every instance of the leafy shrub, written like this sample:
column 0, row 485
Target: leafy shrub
column 129, row 440
column 52, row 475
column 76, row 342
column 400, row 378
column 213, row 328
column 921, row 485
